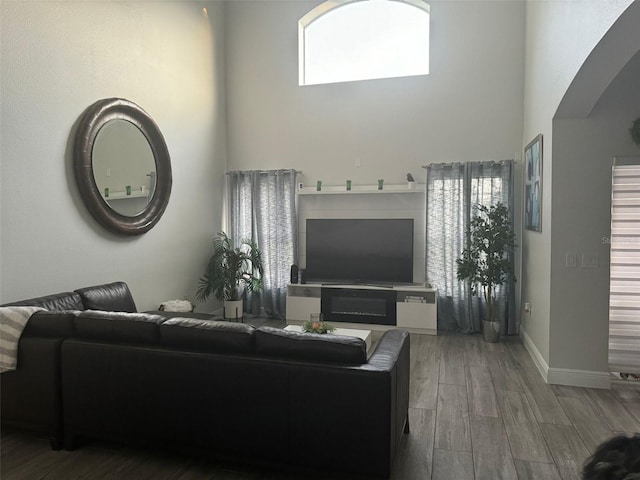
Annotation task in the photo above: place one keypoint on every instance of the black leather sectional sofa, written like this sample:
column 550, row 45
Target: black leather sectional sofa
column 235, row 391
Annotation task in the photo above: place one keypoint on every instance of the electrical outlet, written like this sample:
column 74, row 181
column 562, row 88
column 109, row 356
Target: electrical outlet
column 527, row 307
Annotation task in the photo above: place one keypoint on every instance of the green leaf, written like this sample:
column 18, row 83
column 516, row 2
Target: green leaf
column 231, row 270
column 486, row 261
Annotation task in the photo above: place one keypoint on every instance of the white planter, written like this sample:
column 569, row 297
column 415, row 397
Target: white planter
column 233, row 309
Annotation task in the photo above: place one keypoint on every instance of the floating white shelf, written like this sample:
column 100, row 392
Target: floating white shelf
column 123, row 195
column 360, row 189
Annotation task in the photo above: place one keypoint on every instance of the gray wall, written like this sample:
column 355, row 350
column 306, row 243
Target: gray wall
column 583, row 150
column 559, row 38
column 468, row 108
column 57, row 59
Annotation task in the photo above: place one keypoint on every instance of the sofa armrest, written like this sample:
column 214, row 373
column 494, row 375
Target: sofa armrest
column 392, row 348
column 393, row 355
column 341, row 406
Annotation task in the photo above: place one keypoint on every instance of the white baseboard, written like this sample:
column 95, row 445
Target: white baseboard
column 565, row 376
column 536, row 356
column 579, row 378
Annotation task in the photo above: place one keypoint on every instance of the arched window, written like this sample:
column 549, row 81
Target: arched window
column 346, row 40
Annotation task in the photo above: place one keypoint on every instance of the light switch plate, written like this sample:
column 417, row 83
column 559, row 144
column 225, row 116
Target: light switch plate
column 571, row 259
column 589, row 260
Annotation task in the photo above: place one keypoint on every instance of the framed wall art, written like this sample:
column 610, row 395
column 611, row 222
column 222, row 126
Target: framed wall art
column 533, row 185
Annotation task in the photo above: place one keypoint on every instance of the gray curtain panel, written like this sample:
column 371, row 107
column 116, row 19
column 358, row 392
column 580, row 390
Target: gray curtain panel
column 262, row 209
column 453, row 191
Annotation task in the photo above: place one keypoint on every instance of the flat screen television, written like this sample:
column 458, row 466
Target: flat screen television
column 377, row 251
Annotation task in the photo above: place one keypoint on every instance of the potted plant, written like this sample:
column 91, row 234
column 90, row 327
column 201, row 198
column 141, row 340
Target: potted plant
column 486, row 262
column 230, row 272
column 317, row 325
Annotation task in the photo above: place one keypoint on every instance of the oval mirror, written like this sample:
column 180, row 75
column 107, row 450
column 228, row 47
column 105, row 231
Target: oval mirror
column 122, row 166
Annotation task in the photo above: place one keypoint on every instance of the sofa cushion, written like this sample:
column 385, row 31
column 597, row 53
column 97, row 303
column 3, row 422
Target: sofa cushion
column 115, row 297
column 326, row 348
column 57, row 301
column 119, row 327
column 208, row 335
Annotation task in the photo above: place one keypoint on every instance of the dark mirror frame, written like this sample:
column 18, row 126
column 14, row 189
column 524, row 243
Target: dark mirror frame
column 92, row 120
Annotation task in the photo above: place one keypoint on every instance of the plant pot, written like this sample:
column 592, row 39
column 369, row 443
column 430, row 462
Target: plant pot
column 490, row 331
column 233, row 309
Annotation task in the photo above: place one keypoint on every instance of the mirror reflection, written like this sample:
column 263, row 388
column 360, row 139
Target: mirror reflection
column 124, row 168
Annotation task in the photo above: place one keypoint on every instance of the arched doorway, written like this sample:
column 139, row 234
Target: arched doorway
column 590, row 127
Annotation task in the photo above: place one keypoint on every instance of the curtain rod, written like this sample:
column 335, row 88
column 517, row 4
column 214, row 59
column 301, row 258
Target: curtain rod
column 472, row 163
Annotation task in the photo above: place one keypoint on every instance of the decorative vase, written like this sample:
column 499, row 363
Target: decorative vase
column 490, row 331
column 233, row 309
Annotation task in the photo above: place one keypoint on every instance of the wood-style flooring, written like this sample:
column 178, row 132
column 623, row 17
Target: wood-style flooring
column 477, row 411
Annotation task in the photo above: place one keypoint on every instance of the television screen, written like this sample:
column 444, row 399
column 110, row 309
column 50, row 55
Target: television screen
column 360, row 250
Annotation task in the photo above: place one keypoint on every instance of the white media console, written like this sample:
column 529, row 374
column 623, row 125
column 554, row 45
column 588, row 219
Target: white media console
column 376, row 307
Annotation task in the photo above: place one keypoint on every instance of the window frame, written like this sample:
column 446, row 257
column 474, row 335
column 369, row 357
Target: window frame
column 329, row 6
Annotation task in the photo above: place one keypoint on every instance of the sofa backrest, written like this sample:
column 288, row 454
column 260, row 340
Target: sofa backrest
column 211, row 336
column 58, row 301
column 115, row 297
column 276, row 342
column 187, row 334
column 208, row 335
column 50, row 324
column 119, row 327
